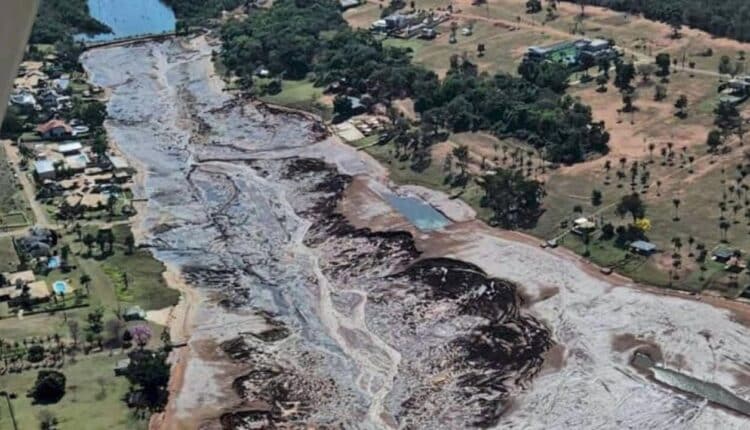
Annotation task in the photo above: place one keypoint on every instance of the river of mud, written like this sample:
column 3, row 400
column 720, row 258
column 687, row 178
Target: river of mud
column 333, row 325
column 311, row 318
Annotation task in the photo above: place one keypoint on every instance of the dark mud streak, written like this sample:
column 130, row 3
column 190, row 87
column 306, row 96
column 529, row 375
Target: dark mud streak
column 505, row 350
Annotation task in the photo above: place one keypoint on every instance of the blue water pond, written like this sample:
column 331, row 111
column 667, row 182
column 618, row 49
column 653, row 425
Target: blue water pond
column 419, row 213
column 130, row 18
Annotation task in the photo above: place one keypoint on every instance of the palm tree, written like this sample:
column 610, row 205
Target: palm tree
column 724, row 227
column 89, row 241
column 130, row 243
column 677, row 242
column 85, row 281
column 651, row 148
column 78, row 231
column 676, row 203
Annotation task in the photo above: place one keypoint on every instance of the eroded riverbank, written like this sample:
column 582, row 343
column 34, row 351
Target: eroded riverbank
column 313, row 318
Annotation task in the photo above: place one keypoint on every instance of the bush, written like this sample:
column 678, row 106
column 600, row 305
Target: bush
column 35, row 353
column 49, row 387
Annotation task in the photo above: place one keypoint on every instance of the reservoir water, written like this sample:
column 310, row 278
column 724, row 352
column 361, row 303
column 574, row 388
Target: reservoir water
column 419, row 213
column 130, row 18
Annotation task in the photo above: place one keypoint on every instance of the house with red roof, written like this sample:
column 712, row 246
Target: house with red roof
column 54, row 129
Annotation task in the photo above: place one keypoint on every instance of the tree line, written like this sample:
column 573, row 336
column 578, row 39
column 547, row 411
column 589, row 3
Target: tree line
column 725, row 18
column 197, row 12
column 58, row 20
column 309, row 39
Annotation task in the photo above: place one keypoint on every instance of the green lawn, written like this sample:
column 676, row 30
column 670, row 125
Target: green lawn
column 14, row 209
column 92, row 401
column 299, row 95
column 8, row 257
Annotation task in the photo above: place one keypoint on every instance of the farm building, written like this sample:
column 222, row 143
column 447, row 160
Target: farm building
column 570, row 53
column 642, row 247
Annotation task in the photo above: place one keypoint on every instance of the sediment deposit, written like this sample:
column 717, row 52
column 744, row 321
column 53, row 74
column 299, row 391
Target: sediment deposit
column 311, row 315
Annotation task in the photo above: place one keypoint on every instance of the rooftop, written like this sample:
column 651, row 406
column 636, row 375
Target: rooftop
column 52, row 124
column 69, row 147
column 44, row 166
column 642, row 245
column 118, row 163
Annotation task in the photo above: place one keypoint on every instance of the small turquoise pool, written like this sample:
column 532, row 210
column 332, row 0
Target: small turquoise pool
column 60, row 287
column 53, row 263
column 419, row 213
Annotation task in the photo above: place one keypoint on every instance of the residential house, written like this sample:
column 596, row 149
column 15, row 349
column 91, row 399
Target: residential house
column 54, row 129
column 23, row 98
column 37, row 243
column 44, row 169
column 722, row 255
column 642, row 247
column 119, row 164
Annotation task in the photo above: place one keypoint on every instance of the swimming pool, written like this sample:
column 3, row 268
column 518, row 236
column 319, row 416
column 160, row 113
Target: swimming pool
column 421, row 214
column 60, row 287
column 53, row 263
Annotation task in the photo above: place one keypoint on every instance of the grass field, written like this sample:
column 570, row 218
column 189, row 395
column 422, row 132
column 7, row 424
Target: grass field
column 14, row 209
column 300, row 95
column 8, row 257
column 93, row 398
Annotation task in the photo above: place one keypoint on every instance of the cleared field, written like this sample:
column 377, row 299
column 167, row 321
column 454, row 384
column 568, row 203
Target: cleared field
column 14, row 209
column 363, row 15
column 92, row 401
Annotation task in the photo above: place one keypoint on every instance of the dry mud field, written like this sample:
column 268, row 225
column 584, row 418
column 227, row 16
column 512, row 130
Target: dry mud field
column 320, row 306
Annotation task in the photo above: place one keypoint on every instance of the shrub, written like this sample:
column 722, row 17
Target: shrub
column 49, row 387
column 35, row 353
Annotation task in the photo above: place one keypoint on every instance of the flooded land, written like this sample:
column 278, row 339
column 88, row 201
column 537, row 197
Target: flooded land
column 327, row 297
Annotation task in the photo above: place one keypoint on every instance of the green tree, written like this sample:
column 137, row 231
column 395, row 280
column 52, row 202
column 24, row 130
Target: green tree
column 624, row 74
column 100, row 145
column 85, row 280
column 515, row 201
column 129, row 243
column 91, row 112
column 633, row 205
column 533, row 6
column 95, row 322
column 681, row 104
column 149, row 371
column 342, row 106
column 12, row 126
column 596, row 198
column 714, row 140
column 725, row 65
column 663, row 61
column 89, row 240
column 49, row 387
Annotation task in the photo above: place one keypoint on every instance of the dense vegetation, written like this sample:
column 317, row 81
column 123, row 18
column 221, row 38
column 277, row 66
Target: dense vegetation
column 197, row 12
column 57, row 20
column 285, row 39
column 507, row 105
column 727, row 18
column 295, row 38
